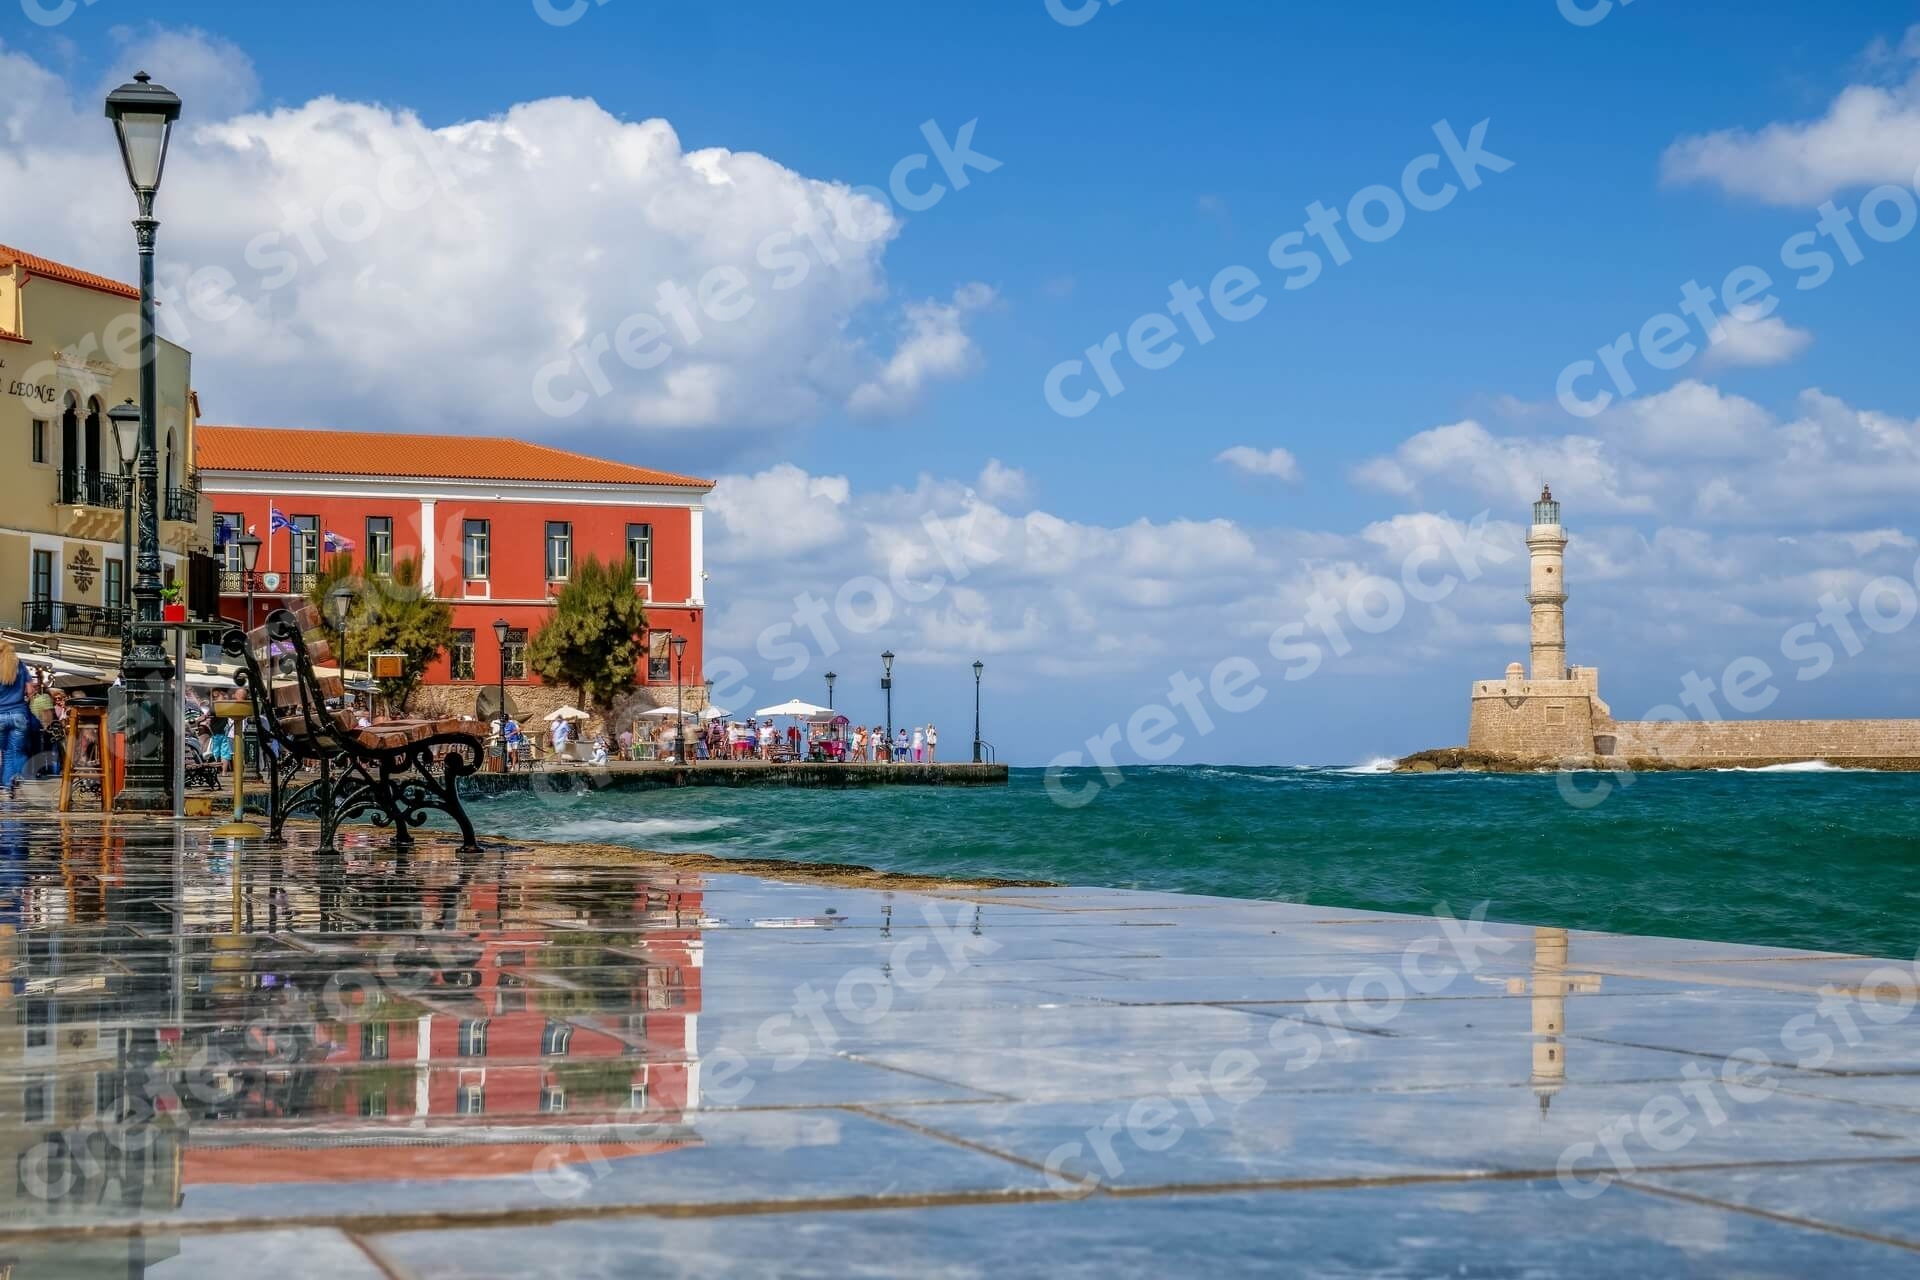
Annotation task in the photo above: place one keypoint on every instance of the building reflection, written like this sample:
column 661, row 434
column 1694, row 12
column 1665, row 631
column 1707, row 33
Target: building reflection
column 173, row 1022
column 1548, row 988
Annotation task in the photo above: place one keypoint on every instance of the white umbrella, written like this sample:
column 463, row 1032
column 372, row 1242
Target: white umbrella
column 795, row 708
column 714, row 713
column 658, row 713
column 567, row 713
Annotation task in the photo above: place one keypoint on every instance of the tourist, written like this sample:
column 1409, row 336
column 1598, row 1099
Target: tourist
column 933, row 741
column 919, row 744
column 600, row 750
column 766, row 739
column 562, row 734
column 793, row 741
column 15, row 719
column 515, row 740
column 878, row 749
column 900, row 747
column 859, row 742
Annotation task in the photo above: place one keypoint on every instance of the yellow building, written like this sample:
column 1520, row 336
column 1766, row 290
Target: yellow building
column 69, row 352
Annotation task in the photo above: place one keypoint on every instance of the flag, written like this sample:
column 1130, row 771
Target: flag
column 336, row 541
column 276, row 521
column 222, row 532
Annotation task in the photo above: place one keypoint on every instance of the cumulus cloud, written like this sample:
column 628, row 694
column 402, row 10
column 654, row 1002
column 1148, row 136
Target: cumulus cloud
column 1870, row 134
column 1278, row 463
column 934, row 345
column 1756, row 343
column 1466, row 457
column 345, row 263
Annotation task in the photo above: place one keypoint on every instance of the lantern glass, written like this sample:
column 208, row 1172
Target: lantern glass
column 126, row 433
column 249, row 551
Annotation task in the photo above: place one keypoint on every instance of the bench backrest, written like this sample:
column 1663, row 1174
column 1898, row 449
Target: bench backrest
column 288, row 661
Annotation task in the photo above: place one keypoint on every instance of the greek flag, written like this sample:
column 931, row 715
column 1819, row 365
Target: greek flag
column 276, row 521
column 336, row 541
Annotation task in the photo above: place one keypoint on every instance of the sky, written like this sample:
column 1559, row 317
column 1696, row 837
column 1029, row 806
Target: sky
column 887, row 231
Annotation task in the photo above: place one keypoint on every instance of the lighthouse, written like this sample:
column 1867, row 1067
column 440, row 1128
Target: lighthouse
column 1547, row 588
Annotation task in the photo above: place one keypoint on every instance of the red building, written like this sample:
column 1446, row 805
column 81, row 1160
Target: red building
column 498, row 524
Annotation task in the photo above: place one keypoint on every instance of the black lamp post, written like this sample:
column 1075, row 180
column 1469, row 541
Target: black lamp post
column 340, row 599
column 886, row 683
column 500, row 634
column 126, row 439
column 679, row 701
column 249, row 557
column 831, row 677
column 143, row 114
column 978, row 667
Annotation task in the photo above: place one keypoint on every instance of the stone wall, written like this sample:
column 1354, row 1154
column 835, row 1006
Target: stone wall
column 1547, row 720
column 1682, row 744
column 532, row 703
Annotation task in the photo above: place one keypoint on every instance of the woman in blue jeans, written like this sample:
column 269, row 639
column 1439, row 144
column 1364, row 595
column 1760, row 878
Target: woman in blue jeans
column 15, row 719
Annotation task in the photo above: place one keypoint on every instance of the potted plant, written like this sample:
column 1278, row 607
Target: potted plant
column 172, row 608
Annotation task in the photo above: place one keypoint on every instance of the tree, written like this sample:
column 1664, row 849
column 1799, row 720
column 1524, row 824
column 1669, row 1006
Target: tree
column 334, row 573
column 395, row 614
column 594, row 640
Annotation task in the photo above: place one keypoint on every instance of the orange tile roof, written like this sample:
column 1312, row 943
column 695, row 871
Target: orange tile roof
column 38, row 266
column 300, row 451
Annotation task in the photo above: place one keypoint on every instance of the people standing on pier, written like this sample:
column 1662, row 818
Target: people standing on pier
column 919, row 744
column 900, row 746
column 859, row 742
column 933, row 741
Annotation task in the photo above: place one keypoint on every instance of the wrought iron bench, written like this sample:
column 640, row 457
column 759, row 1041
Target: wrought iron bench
column 396, row 771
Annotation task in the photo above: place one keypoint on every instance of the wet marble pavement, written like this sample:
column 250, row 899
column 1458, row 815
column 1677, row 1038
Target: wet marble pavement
column 274, row 1062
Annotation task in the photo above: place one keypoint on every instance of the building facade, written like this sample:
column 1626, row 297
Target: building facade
column 1553, row 716
column 497, row 525
column 69, row 352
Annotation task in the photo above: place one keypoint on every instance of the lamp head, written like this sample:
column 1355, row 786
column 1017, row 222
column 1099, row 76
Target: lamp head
column 886, row 663
column 679, row 646
column 143, row 114
column 249, row 551
column 500, row 631
column 978, row 667
column 126, row 432
column 341, row 601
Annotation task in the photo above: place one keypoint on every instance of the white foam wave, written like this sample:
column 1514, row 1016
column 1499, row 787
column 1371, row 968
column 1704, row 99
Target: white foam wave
column 1379, row 764
column 612, row 829
column 1796, row 766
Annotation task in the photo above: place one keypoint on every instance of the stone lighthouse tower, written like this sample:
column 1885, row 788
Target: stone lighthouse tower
column 1547, row 589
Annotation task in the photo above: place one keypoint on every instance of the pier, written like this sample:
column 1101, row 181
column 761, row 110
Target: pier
column 655, row 775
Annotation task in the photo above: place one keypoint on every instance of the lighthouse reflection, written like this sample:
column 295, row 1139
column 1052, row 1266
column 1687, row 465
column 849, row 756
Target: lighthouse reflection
column 1548, row 987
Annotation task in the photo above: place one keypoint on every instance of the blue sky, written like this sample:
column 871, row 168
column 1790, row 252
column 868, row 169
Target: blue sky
column 1155, row 142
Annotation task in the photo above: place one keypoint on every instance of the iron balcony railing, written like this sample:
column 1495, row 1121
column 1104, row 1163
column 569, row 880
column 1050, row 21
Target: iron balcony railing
column 84, row 488
column 183, row 505
column 58, row 617
column 233, row 582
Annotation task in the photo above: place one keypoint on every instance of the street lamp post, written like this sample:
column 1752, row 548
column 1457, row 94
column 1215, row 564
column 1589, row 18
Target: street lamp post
column 500, row 634
column 886, row 683
column 126, row 439
column 249, row 557
column 143, row 114
column 340, row 600
column 679, row 701
column 831, row 677
column 978, row 667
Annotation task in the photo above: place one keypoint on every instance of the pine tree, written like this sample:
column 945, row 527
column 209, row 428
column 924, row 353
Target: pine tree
column 396, row 615
column 594, row 640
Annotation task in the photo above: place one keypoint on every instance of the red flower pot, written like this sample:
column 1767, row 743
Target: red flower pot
column 173, row 613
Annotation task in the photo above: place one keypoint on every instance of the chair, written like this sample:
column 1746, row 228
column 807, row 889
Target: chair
column 87, row 711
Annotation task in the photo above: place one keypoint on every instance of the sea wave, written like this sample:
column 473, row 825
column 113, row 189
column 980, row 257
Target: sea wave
column 1379, row 764
column 619, row 831
column 1796, row 766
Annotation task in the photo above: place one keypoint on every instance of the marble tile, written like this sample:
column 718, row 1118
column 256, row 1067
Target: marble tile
column 1503, row 1231
column 239, row 1255
column 1878, row 1199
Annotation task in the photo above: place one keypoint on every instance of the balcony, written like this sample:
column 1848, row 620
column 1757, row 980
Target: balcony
column 57, row 617
column 233, row 582
column 83, row 488
column 183, row 505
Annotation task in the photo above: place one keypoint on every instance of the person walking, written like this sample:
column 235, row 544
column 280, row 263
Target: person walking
column 919, row 744
column 933, row 743
column 15, row 720
column 859, row 742
column 900, row 746
column 878, row 748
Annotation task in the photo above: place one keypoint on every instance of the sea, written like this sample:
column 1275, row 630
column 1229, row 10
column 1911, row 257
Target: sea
column 1796, row 856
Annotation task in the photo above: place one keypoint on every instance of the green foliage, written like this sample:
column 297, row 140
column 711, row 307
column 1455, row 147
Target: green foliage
column 594, row 641
column 389, row 614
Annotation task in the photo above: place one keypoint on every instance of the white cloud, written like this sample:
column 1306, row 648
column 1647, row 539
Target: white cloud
column 1503, row 469
column 1003, row 485
column 387, row 272
column 1756, row 343
column 934, row 346
column 1870, row 134
column 1277, row 463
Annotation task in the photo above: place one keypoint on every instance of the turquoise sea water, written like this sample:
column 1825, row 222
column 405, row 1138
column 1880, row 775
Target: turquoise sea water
column 1827, row 859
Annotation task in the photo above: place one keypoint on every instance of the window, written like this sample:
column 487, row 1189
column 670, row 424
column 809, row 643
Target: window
column 556, row 1039
column 660, row 656
column 306, row 545
column 373, row 1042
column 514, row 655
column 374, row 1104
column 42, row 575
column 460, row 661
column 380, row 546
column 473, row 1038
column 637, row 1097
column 476, row 550
column 40, row 442
column 553, row 1099
column 37, row 1102
column 236, row 525
column 559, row 551
column 640, row 551
column 473, row 1100
column 114, row 590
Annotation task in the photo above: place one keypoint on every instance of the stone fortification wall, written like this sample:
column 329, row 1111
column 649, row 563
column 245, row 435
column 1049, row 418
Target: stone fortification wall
column 1685, row 744
column 1548, row 720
